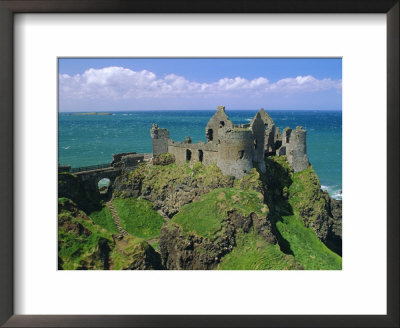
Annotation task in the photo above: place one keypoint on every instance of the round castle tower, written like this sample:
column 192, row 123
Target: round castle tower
column 296, row 150
column 236, row 151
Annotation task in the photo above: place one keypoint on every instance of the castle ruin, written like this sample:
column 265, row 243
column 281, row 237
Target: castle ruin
column 236, row 148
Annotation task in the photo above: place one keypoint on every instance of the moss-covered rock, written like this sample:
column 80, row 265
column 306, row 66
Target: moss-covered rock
column 172, row 186
column 83, row 245
column 164, row 159
column 132, row 253
column 297, row 204
column 204, row 231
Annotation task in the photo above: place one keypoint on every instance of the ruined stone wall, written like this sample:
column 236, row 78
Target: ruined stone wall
column 258, row 131
column 234, row 148
column 117, row 158
column 218, row 121
column 199, row 152
column 296, row 149
column 159, row 139
column 131, row 160
column 236, row 152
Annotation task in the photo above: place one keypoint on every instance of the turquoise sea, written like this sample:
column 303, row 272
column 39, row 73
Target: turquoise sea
column 92, row 139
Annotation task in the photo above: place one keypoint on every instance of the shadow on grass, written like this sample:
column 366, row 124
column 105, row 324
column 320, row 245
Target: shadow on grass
column 275, row 181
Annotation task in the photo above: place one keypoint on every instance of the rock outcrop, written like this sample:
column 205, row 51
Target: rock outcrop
column 83, row 245
column 171, row 187
column 301, row 192
column 83, row 194
column 182, row 252
column 194, row 241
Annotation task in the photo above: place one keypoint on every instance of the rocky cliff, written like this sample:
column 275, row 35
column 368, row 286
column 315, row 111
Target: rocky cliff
column 172, row 186
column 275, row 220
column 204, row 231
column 300, row 194
column 83, row 245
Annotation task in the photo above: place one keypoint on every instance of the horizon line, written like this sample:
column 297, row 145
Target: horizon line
column 202, row 109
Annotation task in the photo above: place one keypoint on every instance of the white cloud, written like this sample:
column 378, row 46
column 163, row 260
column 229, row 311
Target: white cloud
column 118, row 82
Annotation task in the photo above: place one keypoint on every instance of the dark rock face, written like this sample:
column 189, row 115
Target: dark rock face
column 87, row 197
column 324, row 215
column 334, row 238
column 180, row 251
column 264, row 227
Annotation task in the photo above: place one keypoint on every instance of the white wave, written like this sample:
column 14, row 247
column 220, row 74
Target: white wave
column 248, row 119
column 333, row 191
column 337, row 195
column 68, row 147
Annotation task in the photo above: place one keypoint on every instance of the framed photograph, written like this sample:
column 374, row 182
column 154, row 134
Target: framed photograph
column 214, row 164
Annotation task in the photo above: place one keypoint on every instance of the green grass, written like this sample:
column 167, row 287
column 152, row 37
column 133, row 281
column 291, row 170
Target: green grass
column 254, row 253
column 304, row 192
column 83, row 244
column 78, row 250
column 160, row 178
column 205, row 216
column 124, row 255
column 138, row 217
column 104, row 219
column 155, row 245
column 307, row 248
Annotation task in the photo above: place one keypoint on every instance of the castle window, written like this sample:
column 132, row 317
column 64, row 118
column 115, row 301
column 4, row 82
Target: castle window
column 200, row 155
column 209, row 135
column 287, row 136
column 255, row 143
column 188, row 155
column 221, row 124
column 266, row 126
column 241, row 154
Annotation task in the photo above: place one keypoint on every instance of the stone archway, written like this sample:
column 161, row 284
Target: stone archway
column 103, row 185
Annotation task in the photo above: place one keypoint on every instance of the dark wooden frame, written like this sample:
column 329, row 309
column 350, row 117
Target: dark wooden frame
column 7, row 10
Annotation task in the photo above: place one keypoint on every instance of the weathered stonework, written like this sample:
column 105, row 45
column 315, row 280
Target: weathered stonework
column 294, row 147
column 236, row 148
column 160, row 139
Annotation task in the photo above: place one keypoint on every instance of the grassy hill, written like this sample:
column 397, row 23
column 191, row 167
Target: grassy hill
column 273, row 221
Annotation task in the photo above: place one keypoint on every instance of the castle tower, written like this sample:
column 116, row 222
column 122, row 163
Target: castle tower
column 296, row 149
column 258, row 129
column 159, row 138
column 273, row 139
column 218, row 121
column 236, row 152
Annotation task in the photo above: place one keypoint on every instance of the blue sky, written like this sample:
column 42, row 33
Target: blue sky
column 87, row 84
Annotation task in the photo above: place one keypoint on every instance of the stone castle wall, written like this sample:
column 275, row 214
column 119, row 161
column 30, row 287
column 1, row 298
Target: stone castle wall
column 296, row 150
column 196, row 152
column 236, row 148
column 236, row 153
column 159, row 139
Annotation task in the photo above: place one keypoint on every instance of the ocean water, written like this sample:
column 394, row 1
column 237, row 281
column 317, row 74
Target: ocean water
column 92, row 139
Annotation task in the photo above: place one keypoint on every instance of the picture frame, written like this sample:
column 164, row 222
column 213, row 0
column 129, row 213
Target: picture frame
column 7, row 198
